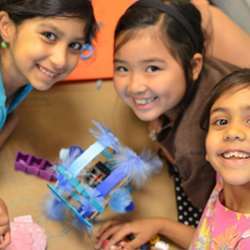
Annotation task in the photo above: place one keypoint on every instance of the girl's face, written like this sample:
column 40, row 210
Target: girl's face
column 146, row 76
column 43, row 51
column 228, row 138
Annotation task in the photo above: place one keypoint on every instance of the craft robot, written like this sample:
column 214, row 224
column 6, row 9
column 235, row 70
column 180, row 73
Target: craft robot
column 91, row 179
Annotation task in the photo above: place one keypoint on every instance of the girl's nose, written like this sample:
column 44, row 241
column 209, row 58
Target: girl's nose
column 235, row 134
column 136, row 84
column 59, row 58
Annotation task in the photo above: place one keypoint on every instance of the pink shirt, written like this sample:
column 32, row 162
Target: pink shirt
column 220, row 227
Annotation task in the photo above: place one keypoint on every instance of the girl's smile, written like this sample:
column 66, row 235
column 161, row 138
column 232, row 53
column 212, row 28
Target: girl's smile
column 47, row 73
column 235, row 154
column 145, row 103
column 235, row 158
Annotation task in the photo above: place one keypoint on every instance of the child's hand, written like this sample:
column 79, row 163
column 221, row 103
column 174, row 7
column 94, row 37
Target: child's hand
column 114, row 234
column 101, row 240
column 4, row 226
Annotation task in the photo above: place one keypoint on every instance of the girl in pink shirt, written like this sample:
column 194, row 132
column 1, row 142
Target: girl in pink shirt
column 225, row 223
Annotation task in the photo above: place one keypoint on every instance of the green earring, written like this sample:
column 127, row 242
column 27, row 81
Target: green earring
column 4, row 45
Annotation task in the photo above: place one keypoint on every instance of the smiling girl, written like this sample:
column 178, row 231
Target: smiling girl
column 40, row 44
column 225, row 223
column 38, row 47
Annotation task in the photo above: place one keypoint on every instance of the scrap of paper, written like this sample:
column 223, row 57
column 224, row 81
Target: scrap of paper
column 26, row 235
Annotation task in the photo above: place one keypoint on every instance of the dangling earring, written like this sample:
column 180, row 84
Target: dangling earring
column 4, row 45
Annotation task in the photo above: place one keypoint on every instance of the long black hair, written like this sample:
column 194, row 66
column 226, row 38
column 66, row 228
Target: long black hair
column 20, row 10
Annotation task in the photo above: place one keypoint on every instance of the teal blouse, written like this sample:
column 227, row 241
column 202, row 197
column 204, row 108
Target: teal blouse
column 19, row 97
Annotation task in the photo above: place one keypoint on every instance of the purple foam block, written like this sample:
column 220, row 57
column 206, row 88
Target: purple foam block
column 20, row 167
column 47, row 175
column 21, row 162
column 32, row 170
column 20, row 157
column 35, row 166
column 46, row 165
column 34, row 161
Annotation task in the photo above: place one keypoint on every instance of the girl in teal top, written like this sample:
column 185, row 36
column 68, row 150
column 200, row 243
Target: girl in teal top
column 40, row 44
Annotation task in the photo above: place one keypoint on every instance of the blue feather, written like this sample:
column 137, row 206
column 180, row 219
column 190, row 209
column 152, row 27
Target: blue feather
column 55, row 209
column 121, row 200
column 68, row 155
column 137, row 168
column 105, row 136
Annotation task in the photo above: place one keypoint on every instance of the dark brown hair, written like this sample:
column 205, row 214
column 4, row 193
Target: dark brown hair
column 239, row 79
column 20, row 10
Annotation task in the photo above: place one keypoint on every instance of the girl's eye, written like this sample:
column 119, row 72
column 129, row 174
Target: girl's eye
column 121, row 69
column 76, row 46
column 152, row 68
column 221, row 122
column 49, row 36
column 248, row 121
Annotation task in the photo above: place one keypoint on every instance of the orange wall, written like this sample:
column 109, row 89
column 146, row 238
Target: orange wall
column 100, row 66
